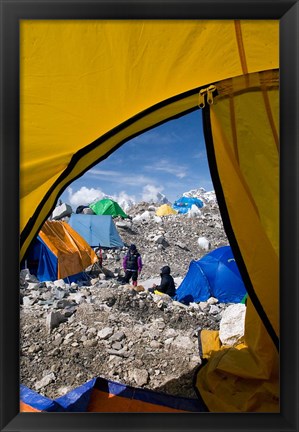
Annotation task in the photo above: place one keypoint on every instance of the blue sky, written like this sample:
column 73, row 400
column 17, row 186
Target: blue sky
column 170, row 159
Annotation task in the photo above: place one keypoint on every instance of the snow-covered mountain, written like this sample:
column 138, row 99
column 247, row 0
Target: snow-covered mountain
column 127, row 202
column 202, row 194
column 205, row 196
column 161, row 199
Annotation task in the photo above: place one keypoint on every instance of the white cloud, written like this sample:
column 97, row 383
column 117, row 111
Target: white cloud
column 105, row 173
column 84, row 196
column 168, row 167
column 151, row 193
column 201, row 155
column 120, row 177
column 123, row 196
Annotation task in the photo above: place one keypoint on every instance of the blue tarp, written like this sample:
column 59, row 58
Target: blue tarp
column 97, row 230
column 78, row 399
column 184, row 204
column 214, row 275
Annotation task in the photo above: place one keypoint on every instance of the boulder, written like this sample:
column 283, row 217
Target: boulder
column 204, row 243
column 53, row 320
column 46, row 380
column 61, row 211
column 232, row 324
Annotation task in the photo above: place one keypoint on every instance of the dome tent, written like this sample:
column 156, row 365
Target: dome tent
column 59, row 252
column 184, row 204
column 238, row 58
column 107, row 207
column 165, row 210
column 97, row 230
column 214, row 275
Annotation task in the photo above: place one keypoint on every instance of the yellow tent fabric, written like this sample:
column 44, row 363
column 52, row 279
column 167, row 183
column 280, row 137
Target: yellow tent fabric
column 165, row 210
column 73, row 253
column 86, row 87
column 245, row 142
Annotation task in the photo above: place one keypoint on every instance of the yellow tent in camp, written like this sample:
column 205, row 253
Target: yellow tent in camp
column 86, row 87
column 165, row 210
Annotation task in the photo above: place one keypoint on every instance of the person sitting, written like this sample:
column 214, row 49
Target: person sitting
column 132, row 265
column 167, row 285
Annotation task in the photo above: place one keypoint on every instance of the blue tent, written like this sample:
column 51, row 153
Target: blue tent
column 214, row 275
column 97, row 230
column 184, row 204
column 58, row 252
column 43, row 263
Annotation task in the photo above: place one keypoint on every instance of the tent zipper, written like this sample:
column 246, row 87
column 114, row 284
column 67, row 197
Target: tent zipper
column 206, row 95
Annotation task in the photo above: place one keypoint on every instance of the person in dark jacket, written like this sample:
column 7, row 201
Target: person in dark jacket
column 132, row 265
column 167, row 285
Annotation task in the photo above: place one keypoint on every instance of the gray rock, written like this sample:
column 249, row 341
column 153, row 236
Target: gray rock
column 232, row 324
column 182, row 245
column 33, row 285
column 26, row 276
column 122, row 353
column 58, row 293
column 53, row 320
column 88, row 210
column 155, row 344
column 118, row 336
column 116, row 346
column 46, row 380
column 141, row 377
column 61, row 211
column 214, row 310
column 34, row 348
column 69, row 311
column 28, row 302
column 105, row 333
column 58, row 340
column 212, row 301
column 61, row 304
column 184, row 343
column 90, row 343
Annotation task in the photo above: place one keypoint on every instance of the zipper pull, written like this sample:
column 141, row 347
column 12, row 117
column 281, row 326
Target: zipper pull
column 206, row 91
column 201, row 98
column 210, row 91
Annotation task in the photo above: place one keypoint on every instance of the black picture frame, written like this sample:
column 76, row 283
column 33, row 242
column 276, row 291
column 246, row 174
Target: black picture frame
column 13, row 11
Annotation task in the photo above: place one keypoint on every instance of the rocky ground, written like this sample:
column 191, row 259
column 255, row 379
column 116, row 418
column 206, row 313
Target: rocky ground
column 71, row 333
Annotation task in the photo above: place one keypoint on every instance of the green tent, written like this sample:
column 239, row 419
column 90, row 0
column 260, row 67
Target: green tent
column 107, row 207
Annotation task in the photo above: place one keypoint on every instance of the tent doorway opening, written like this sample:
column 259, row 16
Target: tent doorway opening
column 146, row 176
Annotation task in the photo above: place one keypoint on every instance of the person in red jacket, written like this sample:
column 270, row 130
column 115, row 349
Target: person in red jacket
column 132, row 265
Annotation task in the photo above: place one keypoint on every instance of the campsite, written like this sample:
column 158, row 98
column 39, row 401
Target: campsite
column 70, row 123
column 109, row 330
